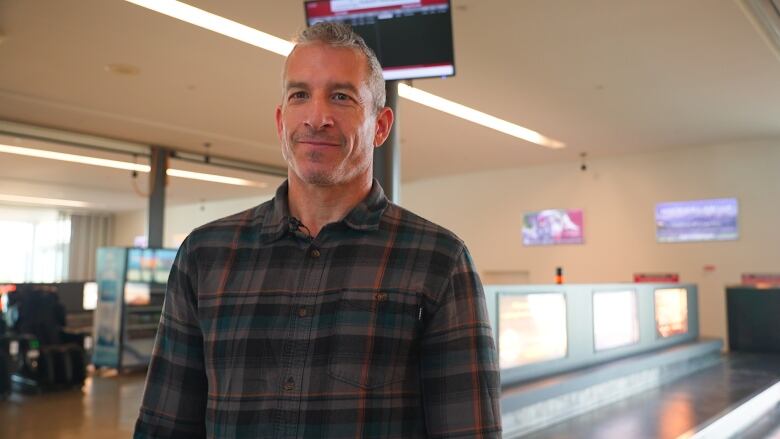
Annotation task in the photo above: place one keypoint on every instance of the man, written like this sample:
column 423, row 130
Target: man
column 327, row 312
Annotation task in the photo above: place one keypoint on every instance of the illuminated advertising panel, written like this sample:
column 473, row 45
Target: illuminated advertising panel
column 137, row 293
column 615, row 319
column 671, row 311
column 700, row 220
column 553, row 226
column 531, row 328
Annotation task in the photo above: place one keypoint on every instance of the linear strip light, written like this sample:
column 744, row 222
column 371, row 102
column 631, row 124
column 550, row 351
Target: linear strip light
column 478, row 117
column 45, row 201
column 220, row 25
column 213, row 178
column 116, row 164
column 254, row 37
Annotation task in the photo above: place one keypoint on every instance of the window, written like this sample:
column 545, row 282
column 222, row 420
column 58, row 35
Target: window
column 33, row 245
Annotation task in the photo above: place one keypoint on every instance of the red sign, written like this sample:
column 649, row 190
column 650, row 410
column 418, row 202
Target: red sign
column 656, row 277
column 761, row 279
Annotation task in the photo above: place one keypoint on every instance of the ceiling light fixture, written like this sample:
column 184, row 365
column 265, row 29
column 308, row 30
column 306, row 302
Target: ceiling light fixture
column 73, row 158
column 116, row 164
column 43, row 201
column 476, row 116
column 238, row 31
column 214, row 178
column 220, row 25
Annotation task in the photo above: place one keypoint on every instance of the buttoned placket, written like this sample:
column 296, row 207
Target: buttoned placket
column 297, row 344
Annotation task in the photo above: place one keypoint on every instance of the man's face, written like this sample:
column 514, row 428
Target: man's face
column 326, row 122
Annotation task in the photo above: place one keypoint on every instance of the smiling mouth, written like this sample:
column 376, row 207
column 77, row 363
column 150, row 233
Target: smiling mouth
column 318, row 142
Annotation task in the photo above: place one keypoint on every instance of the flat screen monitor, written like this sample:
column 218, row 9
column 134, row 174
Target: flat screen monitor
column 531, row 328
column 671, row 311
column 411, row 38
column 134, row 256
column 163, row 264
column 553, row 226
column 148, row 263
column 615, row 319
column 699, row 220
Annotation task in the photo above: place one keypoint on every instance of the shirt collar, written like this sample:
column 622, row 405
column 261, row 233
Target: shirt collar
column 364, row 216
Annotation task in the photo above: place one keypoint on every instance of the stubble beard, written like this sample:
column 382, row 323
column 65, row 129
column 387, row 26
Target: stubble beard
column 321, row 177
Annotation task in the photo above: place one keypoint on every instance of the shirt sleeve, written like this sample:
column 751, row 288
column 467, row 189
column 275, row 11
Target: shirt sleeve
column 459, row 367
column 174, row 401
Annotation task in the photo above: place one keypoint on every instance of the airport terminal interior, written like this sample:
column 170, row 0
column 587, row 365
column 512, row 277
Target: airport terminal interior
column 613, row 167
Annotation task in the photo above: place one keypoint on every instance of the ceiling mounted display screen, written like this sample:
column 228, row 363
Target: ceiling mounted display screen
column 411, row 38
column 700, row 220
column 671, row 311
column 615, row 319
column 531, row 328
column 553, row 227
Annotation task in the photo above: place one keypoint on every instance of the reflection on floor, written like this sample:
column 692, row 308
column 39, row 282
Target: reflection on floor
column 106, row 407
column 678, row 407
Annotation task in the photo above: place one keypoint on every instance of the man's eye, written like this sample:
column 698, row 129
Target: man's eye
column 298, row 95
column 340, row 97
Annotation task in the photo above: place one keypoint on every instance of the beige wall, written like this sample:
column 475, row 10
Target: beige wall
column 128, row 225
column 618, row 196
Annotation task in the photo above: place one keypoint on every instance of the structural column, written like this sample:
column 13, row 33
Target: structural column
column 157, row 184
column 387, row 159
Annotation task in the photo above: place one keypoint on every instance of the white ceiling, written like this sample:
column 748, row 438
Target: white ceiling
column 607, row 77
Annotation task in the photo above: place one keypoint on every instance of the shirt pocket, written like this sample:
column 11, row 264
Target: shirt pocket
column 374, row 337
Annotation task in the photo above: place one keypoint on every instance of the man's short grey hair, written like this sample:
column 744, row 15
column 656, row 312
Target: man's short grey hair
column 342, row 35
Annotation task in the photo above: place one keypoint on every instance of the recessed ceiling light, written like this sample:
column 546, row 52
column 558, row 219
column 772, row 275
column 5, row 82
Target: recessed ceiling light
column 123, row 69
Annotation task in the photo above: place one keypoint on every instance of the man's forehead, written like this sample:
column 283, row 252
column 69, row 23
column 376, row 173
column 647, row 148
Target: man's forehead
column 319, row 55
column 319, row 65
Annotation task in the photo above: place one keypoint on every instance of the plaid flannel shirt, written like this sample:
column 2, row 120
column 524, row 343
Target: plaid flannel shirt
column 376, row 328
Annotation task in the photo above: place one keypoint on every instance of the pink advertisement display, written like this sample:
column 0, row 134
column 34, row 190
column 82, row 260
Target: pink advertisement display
column 553, row 227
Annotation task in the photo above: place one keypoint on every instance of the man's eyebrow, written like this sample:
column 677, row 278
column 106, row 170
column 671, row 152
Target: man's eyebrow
column 343, row 86
column 331, row 85
column 294, row 84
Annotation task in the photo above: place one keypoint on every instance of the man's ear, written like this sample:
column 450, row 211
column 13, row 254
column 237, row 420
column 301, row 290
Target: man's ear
column 279, row 126
column 384, row 121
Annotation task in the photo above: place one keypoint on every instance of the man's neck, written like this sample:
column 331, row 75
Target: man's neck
column 317, row 206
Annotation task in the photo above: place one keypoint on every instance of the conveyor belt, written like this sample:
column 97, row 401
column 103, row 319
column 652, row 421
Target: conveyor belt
column 678, row 407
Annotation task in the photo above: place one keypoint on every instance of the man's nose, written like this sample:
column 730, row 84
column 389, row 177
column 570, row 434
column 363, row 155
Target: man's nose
column 319, row 115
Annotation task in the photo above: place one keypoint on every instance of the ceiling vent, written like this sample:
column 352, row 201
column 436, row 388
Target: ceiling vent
column 765, row 15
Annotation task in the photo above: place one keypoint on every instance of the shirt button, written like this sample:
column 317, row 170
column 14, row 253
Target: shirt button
column 303, row 312
column 315, row 253
column 289, row 384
